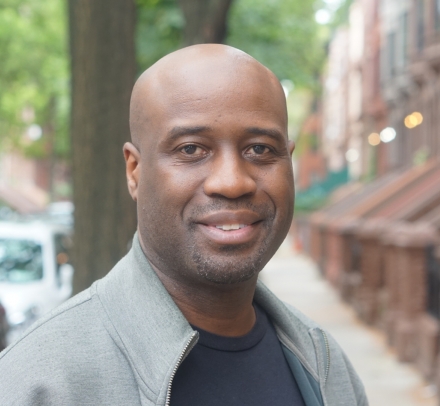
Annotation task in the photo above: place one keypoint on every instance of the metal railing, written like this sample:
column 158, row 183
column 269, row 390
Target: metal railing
column 433, row 279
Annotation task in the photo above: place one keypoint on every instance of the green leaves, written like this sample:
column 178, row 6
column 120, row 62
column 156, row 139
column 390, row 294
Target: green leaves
column 159, row 30
column 34, row 68
column 34, row 78
column 281, row 34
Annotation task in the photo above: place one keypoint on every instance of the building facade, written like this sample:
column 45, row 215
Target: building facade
column 353, row 106
column 380, row 244
column 410, row 79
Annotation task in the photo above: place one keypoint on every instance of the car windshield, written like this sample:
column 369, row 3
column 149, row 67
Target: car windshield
column 20, row 261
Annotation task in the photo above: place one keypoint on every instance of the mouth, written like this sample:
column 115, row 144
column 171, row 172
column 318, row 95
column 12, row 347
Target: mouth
column 231, row 228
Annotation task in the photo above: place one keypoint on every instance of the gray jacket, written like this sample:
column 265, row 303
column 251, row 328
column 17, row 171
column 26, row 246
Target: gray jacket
column 121, row 341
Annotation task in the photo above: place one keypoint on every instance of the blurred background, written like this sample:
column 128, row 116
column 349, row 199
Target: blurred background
column 362, row 83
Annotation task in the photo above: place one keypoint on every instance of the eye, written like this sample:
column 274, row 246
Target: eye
column 192, row 150
column 189, row 149
column 259, row 149
column 261, row 153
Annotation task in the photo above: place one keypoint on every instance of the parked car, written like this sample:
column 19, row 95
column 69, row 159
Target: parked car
column 35, row 273
column 4, row 327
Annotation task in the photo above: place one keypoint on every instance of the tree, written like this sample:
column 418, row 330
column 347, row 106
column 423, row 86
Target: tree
column 103, row 73
column 164, row 26
column 159, row 30
column 205, row 20
column 34, row 79
column 281, row 34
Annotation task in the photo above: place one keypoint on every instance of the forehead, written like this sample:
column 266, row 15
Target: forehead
column 218, row 94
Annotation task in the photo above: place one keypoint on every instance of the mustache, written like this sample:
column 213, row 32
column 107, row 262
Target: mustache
column 264, row 210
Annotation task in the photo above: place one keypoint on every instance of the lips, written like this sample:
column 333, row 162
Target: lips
column 230, row 227
column 246, row 217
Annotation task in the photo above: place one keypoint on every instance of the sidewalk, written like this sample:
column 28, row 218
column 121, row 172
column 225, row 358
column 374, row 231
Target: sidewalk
column 296, row 280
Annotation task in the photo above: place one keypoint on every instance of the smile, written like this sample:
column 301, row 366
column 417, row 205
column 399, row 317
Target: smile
column 231, row 234
column 231, row 227
column 228, row 227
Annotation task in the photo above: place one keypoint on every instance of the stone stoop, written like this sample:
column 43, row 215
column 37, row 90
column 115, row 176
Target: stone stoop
column 366, row 304
column 428, row 345
column 406, row 334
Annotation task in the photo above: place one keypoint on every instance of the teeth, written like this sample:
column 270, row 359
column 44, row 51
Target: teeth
column 228, row 227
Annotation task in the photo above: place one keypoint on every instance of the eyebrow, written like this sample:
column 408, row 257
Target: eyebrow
column 270, row 132
column 180, row 131
column 177, row 132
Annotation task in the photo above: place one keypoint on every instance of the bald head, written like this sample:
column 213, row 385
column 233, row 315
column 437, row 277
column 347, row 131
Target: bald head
column 202, row 72
column 209, row 127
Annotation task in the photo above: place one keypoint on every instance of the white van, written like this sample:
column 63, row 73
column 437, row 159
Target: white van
column 35, row 273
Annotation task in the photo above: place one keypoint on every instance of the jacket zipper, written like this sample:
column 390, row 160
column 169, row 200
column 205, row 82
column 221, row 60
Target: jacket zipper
column 188, row 347
column 327, row 351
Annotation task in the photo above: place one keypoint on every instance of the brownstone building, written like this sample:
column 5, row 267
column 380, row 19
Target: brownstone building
column 410, row 79
column 380, row 243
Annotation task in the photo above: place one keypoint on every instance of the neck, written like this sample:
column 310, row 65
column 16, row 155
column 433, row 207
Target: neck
column 224, row 310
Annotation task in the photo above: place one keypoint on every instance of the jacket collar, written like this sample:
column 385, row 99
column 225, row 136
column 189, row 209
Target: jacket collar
column 151, row 331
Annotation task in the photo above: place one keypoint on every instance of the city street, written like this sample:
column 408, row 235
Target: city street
column 296, row 280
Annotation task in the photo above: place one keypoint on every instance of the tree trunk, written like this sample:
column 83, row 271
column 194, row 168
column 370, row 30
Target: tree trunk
column 103, row 71
column 206, row 20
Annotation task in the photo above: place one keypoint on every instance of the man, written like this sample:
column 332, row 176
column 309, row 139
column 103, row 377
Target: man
column 182, row 319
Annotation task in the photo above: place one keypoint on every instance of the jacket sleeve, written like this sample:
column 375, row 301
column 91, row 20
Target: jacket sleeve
column 339, row 383
column 357, row 384
column 24, row 381
column 342, row 371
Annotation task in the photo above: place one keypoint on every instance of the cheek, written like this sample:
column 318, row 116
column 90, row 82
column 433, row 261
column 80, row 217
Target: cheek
column 165, row 191
column 279, row 185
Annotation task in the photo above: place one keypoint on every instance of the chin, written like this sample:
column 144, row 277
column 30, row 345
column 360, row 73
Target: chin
column 228, row 271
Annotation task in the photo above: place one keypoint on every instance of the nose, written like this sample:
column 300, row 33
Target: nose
column 229, row 177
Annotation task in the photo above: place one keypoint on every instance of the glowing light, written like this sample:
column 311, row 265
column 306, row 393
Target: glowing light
column 413, row 120
column 388, row 134
column 323, row 16
column 34, row 132
column 410, row 121
column 374, row 139
column 418, row 116
column 352, row 155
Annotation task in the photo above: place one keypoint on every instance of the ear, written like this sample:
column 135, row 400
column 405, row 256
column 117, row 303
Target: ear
column 291, row 146
column 132, row 168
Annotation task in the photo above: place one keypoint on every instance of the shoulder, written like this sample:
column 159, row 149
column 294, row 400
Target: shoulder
column 335, row 364
column 66, row 319
column 342, row 374
column 316, row 349
column 306, row 321
column 62, row 352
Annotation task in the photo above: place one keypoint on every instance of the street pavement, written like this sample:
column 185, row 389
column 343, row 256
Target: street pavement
column 295, row 279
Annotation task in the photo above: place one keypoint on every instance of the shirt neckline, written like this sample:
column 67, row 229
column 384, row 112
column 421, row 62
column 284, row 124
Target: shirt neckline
column 242, row 343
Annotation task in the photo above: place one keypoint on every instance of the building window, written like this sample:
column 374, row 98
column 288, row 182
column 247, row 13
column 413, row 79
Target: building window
column 391, row 54
column 403, row 39
column 437, row 14
column 420, row 25
column 383, row 65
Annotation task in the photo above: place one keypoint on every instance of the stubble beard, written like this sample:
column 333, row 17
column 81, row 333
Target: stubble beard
column 228, row 266
column 226, row 269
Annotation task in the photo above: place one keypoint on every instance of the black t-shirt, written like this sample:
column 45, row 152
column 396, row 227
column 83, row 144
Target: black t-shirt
column 237, row 371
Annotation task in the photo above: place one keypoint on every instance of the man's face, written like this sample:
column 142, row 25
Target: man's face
column 214, row 184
